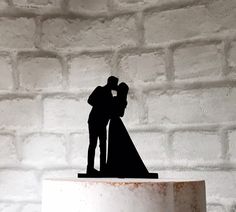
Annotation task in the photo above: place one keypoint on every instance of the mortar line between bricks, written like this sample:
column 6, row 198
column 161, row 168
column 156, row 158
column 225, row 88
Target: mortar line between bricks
column 224, row 144
column 173, row 6
column 225, row 55
column 65, row 72
column 38, row 32
column 210, row 166
column 169, row 65
column 68, row 147
column 139, row 129
column 180, row 85
column 20, row 201
column 213, row 38
column 140, row 28
column 15, row 73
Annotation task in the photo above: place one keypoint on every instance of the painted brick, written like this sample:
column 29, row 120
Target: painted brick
column 31, row 208
column 6, row 80
column 8, row 153
column 215, row 208
column 88, row 5
column 233, row 208
column 77, row 34
column 40, row 73
column 223, row 12
column 144, row 67
column 196, row 146
column 194, row 106
column 86, row 71
column 197, row 62
column 151, row 146
column 19, row 112
column 232, row 59
column 18, row 185
column 151, row 2
column 79, row 149
column 178, row 24
column 17, row 33
column 142, row 4
column 132, row 111
column 37, row 3
column 44, row 150
column 232, row 145
column 9, row 207
column 65, row 173
column 219, row 184
column 63, row 113
column 3, row 5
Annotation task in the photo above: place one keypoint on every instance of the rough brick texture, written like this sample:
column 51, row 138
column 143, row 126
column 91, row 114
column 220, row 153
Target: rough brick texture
column 8, row 207
column 19, row 185
column 19, row 112
column 178, row 24
column 17, row 33
column 152, row 147
column 147, row 67
column 44, row 150
column 191, row 146
column 177, row 56
column 232, row 59
column 31, row 208
column 70, row 113
column 195, row 106
column 86, row 71
column 8, row 153
column 232, row 145
column 3, row 4
column 79, row 6
column 43, row 4
column 40, row 73
column 197, row 62
column 79, row 148
column 79, row 34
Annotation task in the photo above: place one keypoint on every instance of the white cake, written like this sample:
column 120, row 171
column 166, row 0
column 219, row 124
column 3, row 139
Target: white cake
column 123, row 195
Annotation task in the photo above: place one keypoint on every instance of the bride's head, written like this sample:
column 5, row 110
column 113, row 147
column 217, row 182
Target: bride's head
column 122, row 90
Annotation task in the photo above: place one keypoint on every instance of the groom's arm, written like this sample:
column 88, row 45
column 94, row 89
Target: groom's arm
column 93, row 98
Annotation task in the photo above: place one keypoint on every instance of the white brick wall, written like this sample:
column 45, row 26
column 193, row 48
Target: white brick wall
column 37, row 73
column 179, row 58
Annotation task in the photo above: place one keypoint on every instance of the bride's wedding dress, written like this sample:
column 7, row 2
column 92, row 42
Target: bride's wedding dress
column 123, row 158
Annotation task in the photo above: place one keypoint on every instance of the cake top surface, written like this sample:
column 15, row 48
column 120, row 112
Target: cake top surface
column 123, row 180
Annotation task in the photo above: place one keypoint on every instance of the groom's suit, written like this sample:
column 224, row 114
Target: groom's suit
column 100, row 100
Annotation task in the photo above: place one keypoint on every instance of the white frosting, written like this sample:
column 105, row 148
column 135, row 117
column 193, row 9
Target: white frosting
column 123, row 195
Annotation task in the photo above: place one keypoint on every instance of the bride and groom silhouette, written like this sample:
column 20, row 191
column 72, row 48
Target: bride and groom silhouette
column 122, row 159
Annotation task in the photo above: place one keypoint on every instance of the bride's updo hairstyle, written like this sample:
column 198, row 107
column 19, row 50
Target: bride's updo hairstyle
column 123, row 89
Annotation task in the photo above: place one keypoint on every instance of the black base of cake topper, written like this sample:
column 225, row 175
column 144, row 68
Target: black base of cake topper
column 149, row 176
column 122, row 159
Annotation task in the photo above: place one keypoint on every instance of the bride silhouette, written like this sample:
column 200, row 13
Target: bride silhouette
column 123, row 159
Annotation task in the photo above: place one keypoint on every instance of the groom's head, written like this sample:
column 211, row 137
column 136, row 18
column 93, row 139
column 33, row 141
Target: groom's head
column 112, row 82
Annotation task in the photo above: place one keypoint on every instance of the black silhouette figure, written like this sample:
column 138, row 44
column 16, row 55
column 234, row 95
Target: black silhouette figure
column 123, row 160
column 101, row 101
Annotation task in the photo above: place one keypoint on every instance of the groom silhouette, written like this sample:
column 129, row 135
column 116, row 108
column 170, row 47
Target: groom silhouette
column 101, row 101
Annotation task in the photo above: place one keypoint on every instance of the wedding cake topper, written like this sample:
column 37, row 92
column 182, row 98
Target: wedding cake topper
column 122, row 159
